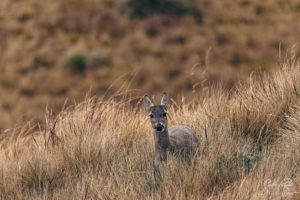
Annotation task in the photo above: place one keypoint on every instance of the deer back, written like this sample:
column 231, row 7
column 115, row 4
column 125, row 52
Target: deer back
column 182, row 139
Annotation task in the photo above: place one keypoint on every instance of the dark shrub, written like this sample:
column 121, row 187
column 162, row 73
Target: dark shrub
column 143, row 8
column 76, row 63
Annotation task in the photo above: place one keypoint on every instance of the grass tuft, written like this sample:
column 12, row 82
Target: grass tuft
column 103, row 149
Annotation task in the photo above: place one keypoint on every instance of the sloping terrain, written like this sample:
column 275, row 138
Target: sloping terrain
column 41, row 40
column 103, row 149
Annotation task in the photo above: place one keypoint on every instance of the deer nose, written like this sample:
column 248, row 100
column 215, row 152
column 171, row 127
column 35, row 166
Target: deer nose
column 159, row 127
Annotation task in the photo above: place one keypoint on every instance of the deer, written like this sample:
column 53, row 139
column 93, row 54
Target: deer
column 179, row 140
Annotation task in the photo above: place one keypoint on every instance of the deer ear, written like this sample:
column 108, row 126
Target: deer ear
column 164, row 100
column 147, row 102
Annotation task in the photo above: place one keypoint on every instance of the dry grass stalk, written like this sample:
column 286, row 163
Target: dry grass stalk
column 248, row 148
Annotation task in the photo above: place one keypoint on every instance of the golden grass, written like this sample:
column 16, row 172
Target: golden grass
column 249, row 148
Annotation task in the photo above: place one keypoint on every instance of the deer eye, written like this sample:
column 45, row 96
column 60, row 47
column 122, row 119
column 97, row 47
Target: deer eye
column 164, row 114
column 151, row 116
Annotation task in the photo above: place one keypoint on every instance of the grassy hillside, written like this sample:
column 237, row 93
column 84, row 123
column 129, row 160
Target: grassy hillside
column 249, row 148
column 41, row 40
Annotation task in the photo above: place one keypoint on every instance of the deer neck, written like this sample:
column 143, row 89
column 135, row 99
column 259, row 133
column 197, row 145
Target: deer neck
column 162, row 143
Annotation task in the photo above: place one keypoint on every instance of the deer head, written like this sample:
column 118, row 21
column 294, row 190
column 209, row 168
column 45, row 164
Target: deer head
column 157, row 113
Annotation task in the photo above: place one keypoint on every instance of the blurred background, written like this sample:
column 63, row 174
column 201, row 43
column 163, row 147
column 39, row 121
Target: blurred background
column 53, row 50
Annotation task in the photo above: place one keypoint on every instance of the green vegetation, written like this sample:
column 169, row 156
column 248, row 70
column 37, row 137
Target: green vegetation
column 143, row 8
column 76, row 62
column 81, row 62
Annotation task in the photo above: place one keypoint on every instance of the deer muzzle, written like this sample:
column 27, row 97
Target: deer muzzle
column 159, row 127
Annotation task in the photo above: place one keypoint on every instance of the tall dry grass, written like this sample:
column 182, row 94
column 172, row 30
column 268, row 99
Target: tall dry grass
column 103, row 149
